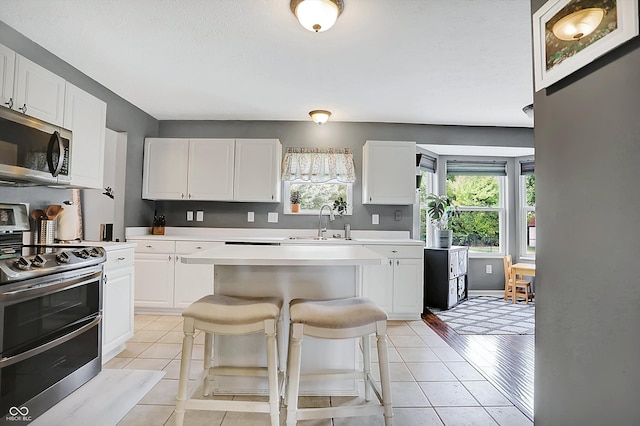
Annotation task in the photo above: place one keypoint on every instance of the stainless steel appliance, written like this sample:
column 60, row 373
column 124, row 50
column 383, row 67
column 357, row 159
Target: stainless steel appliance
column 33, row 151
column 50, row 321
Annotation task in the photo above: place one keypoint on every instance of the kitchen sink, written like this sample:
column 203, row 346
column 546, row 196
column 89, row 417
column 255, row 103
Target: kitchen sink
column 316, row 238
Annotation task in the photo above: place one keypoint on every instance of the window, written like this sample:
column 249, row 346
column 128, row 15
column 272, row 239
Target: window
column 477, row 189
column 527, row 209
column 314, row 195
column 426, row 187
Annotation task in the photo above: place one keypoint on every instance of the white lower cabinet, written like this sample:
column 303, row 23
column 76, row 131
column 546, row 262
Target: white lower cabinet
column 163, row 282
column 117, row 304
column 396, row 285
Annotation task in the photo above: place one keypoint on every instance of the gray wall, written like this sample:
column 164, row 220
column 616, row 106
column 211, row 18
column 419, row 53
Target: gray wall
column 121, row 116
column 588, row 298
column 332, row 134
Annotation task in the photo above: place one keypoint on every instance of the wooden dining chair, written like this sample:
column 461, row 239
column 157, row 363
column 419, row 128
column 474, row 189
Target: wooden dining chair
column 512, row 283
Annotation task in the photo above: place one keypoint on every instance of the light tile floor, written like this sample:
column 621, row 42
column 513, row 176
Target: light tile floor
column 431, row 383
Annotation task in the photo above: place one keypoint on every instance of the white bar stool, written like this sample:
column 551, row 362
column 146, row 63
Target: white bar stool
column 218, row 314
column 356, row 317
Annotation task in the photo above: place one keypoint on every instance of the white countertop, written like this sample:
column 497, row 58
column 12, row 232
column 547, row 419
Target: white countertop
column 280, row 236
column 286, row 256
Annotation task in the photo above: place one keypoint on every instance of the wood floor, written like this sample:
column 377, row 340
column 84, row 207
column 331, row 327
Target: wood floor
column 507, row 361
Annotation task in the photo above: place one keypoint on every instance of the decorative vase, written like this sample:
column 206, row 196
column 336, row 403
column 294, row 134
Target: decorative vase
column 443, row 238
column 295, row 208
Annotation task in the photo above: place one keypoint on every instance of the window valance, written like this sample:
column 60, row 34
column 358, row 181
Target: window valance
column 477, row 168
column 318, row 164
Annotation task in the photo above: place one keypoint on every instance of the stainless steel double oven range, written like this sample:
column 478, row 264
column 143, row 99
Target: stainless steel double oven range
column 50, row 319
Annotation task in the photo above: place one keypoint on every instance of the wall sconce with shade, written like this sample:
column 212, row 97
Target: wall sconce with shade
column 320, row 116
column 317, row 15
column 578, row 24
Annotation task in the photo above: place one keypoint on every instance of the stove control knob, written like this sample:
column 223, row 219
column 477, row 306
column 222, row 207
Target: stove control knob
column 83, row 254
column 23, row 264
column 62, row 257
column 38, row 261
column 94, row 252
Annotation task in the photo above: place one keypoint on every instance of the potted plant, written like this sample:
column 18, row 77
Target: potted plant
column 441, row 211
column 340, row 206
column 294, row 197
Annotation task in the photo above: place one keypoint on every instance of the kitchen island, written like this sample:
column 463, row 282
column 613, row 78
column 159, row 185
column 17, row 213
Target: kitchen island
column 299, row 271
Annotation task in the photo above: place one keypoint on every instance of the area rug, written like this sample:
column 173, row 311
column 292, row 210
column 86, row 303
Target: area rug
column 489, row 315
column 103, row 400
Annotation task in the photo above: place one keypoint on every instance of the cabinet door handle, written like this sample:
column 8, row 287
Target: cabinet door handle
column 199, row 248
column 182, row 195
column 398, row 262
column 105, row 280
column 148, row 246
column 10, row 103
column 272, row 196
column 189, row 195
column 390, row 262
column 370, row 199
column 394, row 251
column 169, row 257
column 121, row 258
column 23, row 109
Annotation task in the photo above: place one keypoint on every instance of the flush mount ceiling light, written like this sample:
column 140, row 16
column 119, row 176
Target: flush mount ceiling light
column 578, row 24
column 320, row 116
column 317, row 15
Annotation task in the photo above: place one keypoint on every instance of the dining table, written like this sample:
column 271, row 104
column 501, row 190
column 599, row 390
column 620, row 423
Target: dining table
column 523, row 269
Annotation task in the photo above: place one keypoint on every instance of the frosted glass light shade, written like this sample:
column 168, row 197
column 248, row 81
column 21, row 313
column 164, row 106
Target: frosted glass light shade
column 320, row 116
column 578, row 24
column 317, row 15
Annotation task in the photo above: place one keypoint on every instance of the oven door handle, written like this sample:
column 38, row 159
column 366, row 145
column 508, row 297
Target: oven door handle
column 51, row 287
column 5, row 362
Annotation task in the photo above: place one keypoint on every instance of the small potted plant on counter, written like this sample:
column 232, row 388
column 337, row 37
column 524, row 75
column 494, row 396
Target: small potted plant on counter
column 340, row 206
column 294, row 197
column 442, row 211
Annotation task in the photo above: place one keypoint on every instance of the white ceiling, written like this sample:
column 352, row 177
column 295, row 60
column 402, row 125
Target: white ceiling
column 474, row 150
column 464, row 62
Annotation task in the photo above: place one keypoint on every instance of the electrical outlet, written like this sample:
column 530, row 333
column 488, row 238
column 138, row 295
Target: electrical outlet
column 375, row 219
column 189, row 216
column 250, row 217
column 199, row 216
column 488, row 269
column 272, row 217
column 398, row 214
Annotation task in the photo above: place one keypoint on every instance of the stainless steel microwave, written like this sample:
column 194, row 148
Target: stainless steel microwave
column 33, row 151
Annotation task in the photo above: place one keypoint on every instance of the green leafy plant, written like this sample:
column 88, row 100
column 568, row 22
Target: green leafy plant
column 340, row 206
column 441, row 211
column 294, row 197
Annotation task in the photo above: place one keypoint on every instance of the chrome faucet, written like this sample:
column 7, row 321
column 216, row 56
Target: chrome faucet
column 323, row 229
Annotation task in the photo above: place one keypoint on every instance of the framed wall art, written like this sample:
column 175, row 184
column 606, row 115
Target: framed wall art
column 569, row 34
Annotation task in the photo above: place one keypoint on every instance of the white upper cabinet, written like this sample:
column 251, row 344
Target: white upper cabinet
column 388, row 172
column 85, row 115
column 166, row 163
column 257, row 170
column 38, row 92
column 7, row 66
column 211, row 169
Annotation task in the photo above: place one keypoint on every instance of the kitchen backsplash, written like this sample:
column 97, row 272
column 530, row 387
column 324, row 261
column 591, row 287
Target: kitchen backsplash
column 234, row 215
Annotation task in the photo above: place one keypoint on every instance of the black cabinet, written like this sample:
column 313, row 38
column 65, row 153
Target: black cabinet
column 445, row 276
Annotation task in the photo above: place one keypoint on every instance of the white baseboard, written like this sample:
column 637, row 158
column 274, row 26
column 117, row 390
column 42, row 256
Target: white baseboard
column 495, row 293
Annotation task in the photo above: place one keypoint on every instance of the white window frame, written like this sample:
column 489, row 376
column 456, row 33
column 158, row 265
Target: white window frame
column 430, row 188
column 287, row 193
column 522, row 221
column 502, row 218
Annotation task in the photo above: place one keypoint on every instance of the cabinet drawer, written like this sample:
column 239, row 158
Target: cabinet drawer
column 119, row 258
column 148, row 246
column 188, row 247
column 405, row 252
